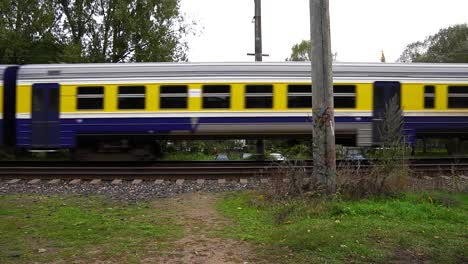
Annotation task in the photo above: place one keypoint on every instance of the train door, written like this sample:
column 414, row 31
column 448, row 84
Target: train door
column 383, row 93
column 45, row 115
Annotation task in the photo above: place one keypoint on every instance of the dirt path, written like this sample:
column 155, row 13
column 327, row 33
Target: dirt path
column 197, row 213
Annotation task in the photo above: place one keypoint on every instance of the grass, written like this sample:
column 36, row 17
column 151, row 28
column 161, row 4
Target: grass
column 188, row 156
column 80, row 228
column 431, row 227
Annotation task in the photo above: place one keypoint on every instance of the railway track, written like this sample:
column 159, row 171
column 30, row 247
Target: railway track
column 193, row 170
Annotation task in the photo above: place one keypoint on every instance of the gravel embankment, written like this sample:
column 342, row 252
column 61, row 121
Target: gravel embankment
column 125, row 191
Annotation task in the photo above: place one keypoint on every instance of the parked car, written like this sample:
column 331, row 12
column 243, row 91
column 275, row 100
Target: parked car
column 277, row 156
column 222, row 157
column 247, row 156
column 356, row 158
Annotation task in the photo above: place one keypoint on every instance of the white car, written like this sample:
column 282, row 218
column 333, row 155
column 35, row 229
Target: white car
column 277, row 156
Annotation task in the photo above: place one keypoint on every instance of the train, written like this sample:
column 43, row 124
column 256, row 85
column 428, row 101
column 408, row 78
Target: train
column 129, row 107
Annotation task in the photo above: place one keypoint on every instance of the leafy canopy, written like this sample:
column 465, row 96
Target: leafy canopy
column 449, row 45
column 301, row 51
column 48, row 31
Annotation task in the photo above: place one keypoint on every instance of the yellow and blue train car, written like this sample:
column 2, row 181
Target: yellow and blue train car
column 74, row 105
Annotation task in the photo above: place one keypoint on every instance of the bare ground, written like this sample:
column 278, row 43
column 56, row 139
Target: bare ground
column 197, row 213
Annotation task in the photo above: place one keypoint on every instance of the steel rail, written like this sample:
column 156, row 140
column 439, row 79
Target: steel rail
column 205, row 170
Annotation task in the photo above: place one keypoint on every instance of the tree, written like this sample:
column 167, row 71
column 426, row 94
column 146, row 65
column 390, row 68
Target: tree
column 125, row 30
column 449, row 45
column 27, row 32
column 33, row 31
column 301, row 51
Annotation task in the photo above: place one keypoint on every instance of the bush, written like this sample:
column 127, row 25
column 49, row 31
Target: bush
column 289, row 180
column 390, row 171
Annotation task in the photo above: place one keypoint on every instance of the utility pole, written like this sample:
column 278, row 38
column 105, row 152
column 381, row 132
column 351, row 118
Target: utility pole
column 324, row 152
column 258, row 30
column 258, row 57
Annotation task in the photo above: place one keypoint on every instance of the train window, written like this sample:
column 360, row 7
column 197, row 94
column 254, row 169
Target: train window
column 173, row 97
column 259, row 96
column 37, row 100
column 54, row 99
column 90, row 98
column 132, row 97
column 458, row 97
column 299, row 96
column 344, row 96
column 216, row 96
column 429, row 96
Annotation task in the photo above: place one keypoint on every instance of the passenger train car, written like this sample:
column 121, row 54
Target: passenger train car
column 128, row 106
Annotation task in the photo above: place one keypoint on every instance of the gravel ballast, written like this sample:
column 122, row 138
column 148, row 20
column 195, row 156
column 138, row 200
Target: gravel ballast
column 126, row 190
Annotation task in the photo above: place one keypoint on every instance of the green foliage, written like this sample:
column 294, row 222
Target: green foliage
column 201, row 149
column 291, row 149
column 46, row 31
column 301, row 51
column 78, row 226
column 449, row 45
column 26, row 32
column 391, row 131
column 432, row 226
column 188, row 156
column 391, row 172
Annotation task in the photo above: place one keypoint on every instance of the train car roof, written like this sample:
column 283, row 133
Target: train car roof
column 186, row 72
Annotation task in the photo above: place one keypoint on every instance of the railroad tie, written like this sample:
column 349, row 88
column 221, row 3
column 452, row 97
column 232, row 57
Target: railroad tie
column 221, row 181
column 96, row 181
column 200, row 181
column 137, row 181
column 180, row 181
column 116, row 181
column 244, row 181
column 14, row 181
column 54, row 181
column 75, row 181
column 34, row 181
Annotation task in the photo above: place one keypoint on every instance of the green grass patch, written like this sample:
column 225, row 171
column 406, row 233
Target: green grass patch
column 81, row 228
column 197, row 156
column 188, row 156
column 426, row 226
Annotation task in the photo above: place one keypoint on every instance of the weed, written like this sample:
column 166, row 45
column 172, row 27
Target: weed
column 289, row 181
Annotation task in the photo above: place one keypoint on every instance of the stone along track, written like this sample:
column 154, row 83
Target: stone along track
column 195, row 170
column 184, row 170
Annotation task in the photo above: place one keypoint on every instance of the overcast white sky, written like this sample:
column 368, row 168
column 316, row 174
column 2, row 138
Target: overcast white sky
column 360, row 29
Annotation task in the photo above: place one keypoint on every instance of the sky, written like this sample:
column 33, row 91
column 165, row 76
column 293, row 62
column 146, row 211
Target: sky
column 360, row 29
